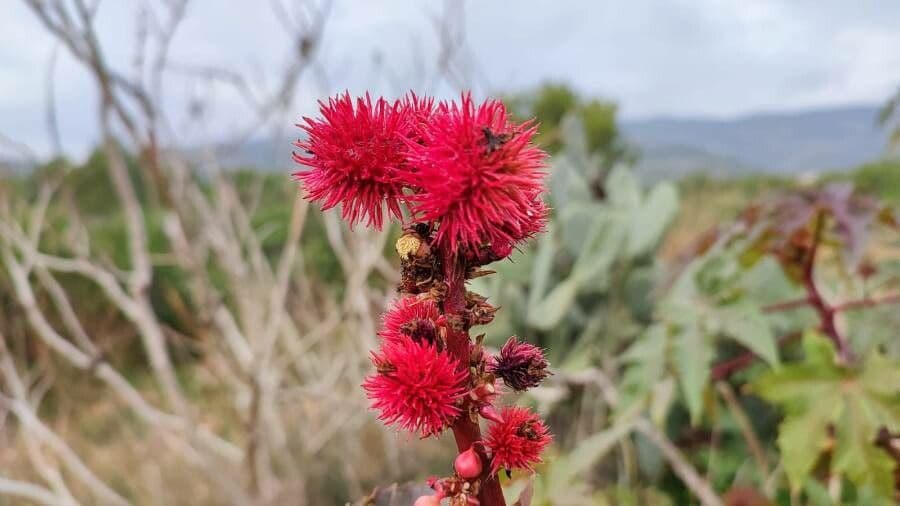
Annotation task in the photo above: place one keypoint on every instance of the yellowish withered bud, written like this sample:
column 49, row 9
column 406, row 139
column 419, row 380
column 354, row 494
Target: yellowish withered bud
column 411, row 245
column 408, row 245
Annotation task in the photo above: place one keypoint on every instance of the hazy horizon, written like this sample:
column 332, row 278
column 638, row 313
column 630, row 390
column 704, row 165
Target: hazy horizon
column 708, row 58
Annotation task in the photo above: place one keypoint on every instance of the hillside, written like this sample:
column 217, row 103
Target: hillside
column 783, row 142
column 780, row 143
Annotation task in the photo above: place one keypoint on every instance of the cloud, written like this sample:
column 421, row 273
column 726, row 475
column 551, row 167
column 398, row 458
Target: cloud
column 701, row 57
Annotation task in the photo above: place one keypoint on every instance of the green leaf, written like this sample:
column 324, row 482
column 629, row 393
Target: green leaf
column 599, row 251
column 801, row 441
column 623, row 188
column 818, row 349
column 748, row 326
column 880, row 375
column 590, row 450
column 567, row 182
column 549, row 311
column 649, row 222
column 577, row 220
column 693, row 354
column 543, row 267
column 817, row 393
column 646, row 359
column 856, row 454
column 661, row 400
column 817, row 494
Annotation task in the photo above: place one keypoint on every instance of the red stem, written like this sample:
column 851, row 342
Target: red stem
column 786, row 305
column 825, row 311
column 465, row 431
column 723, row 370
column 893, row 298
column 850, row 305
column 827, row 314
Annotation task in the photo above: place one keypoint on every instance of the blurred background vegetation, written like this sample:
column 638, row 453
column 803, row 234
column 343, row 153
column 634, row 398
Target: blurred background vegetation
column 589, row 291
column 673, row 292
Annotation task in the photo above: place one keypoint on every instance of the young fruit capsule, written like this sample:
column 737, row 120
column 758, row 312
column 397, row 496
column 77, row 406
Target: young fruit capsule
column 428, row 500
column 468, row 464
column 489, row 413
column 483, row 391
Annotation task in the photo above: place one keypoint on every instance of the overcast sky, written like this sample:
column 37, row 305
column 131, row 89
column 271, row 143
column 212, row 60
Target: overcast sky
column 673, row 57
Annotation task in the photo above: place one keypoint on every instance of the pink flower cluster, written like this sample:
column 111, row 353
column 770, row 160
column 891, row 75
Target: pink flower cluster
column 470, row 180
column 464, row 165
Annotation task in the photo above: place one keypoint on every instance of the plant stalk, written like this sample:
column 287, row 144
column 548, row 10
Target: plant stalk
column 826, row 312
column 465, row 431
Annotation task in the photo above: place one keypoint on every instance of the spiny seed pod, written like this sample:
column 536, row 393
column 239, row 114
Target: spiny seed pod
column 480, row 312
column 471, row 180
column 520, row 364
column 518, row 441
column 468, row 464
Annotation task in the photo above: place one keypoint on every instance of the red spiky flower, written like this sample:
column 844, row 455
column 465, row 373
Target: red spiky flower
column 357, row 157
column 420, row 110
column 472, row 181
column 518, row 441
column 480, row 176
column 521, row 365
column 416, row 387
column 412, row 318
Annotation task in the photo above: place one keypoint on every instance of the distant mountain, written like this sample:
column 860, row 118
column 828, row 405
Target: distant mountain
column 783, row 143
column 778, row 143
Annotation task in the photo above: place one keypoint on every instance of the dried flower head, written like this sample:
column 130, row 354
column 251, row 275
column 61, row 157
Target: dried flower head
column 357, row 157
column 518, row 441
column 416, row 387
column 521, row 365
column 412, row 318
column 480, row 176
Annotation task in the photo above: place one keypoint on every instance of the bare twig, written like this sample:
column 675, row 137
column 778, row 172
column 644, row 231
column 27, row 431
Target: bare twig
column 746, row 426
column 680, row 466
column 689, row 475
column 27, row 491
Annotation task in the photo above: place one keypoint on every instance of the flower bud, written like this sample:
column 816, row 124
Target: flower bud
column 483, row 391
column 410, row 245
column 489, row 413
column 521, row 365
column 468, row 464
column 428, row 500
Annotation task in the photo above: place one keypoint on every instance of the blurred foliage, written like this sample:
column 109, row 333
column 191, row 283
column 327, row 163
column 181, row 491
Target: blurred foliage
column 85, row 211
column 605, row 290
column 889, row 117
column 552, row 103
column 594, row 265
column 594, row 292
column 881, row 178
column 822, row 398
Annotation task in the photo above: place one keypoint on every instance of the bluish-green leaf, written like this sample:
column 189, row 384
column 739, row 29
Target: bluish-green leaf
column 552, row 308
column 650, row 220
column 748, row 326
column 693, row 354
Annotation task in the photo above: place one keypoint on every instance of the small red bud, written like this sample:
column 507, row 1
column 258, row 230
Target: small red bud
column 489, row 413
column 468, row 464
column 483, row 391
column 428, row 500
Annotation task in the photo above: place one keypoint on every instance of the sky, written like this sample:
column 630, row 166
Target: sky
column 654, row 58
